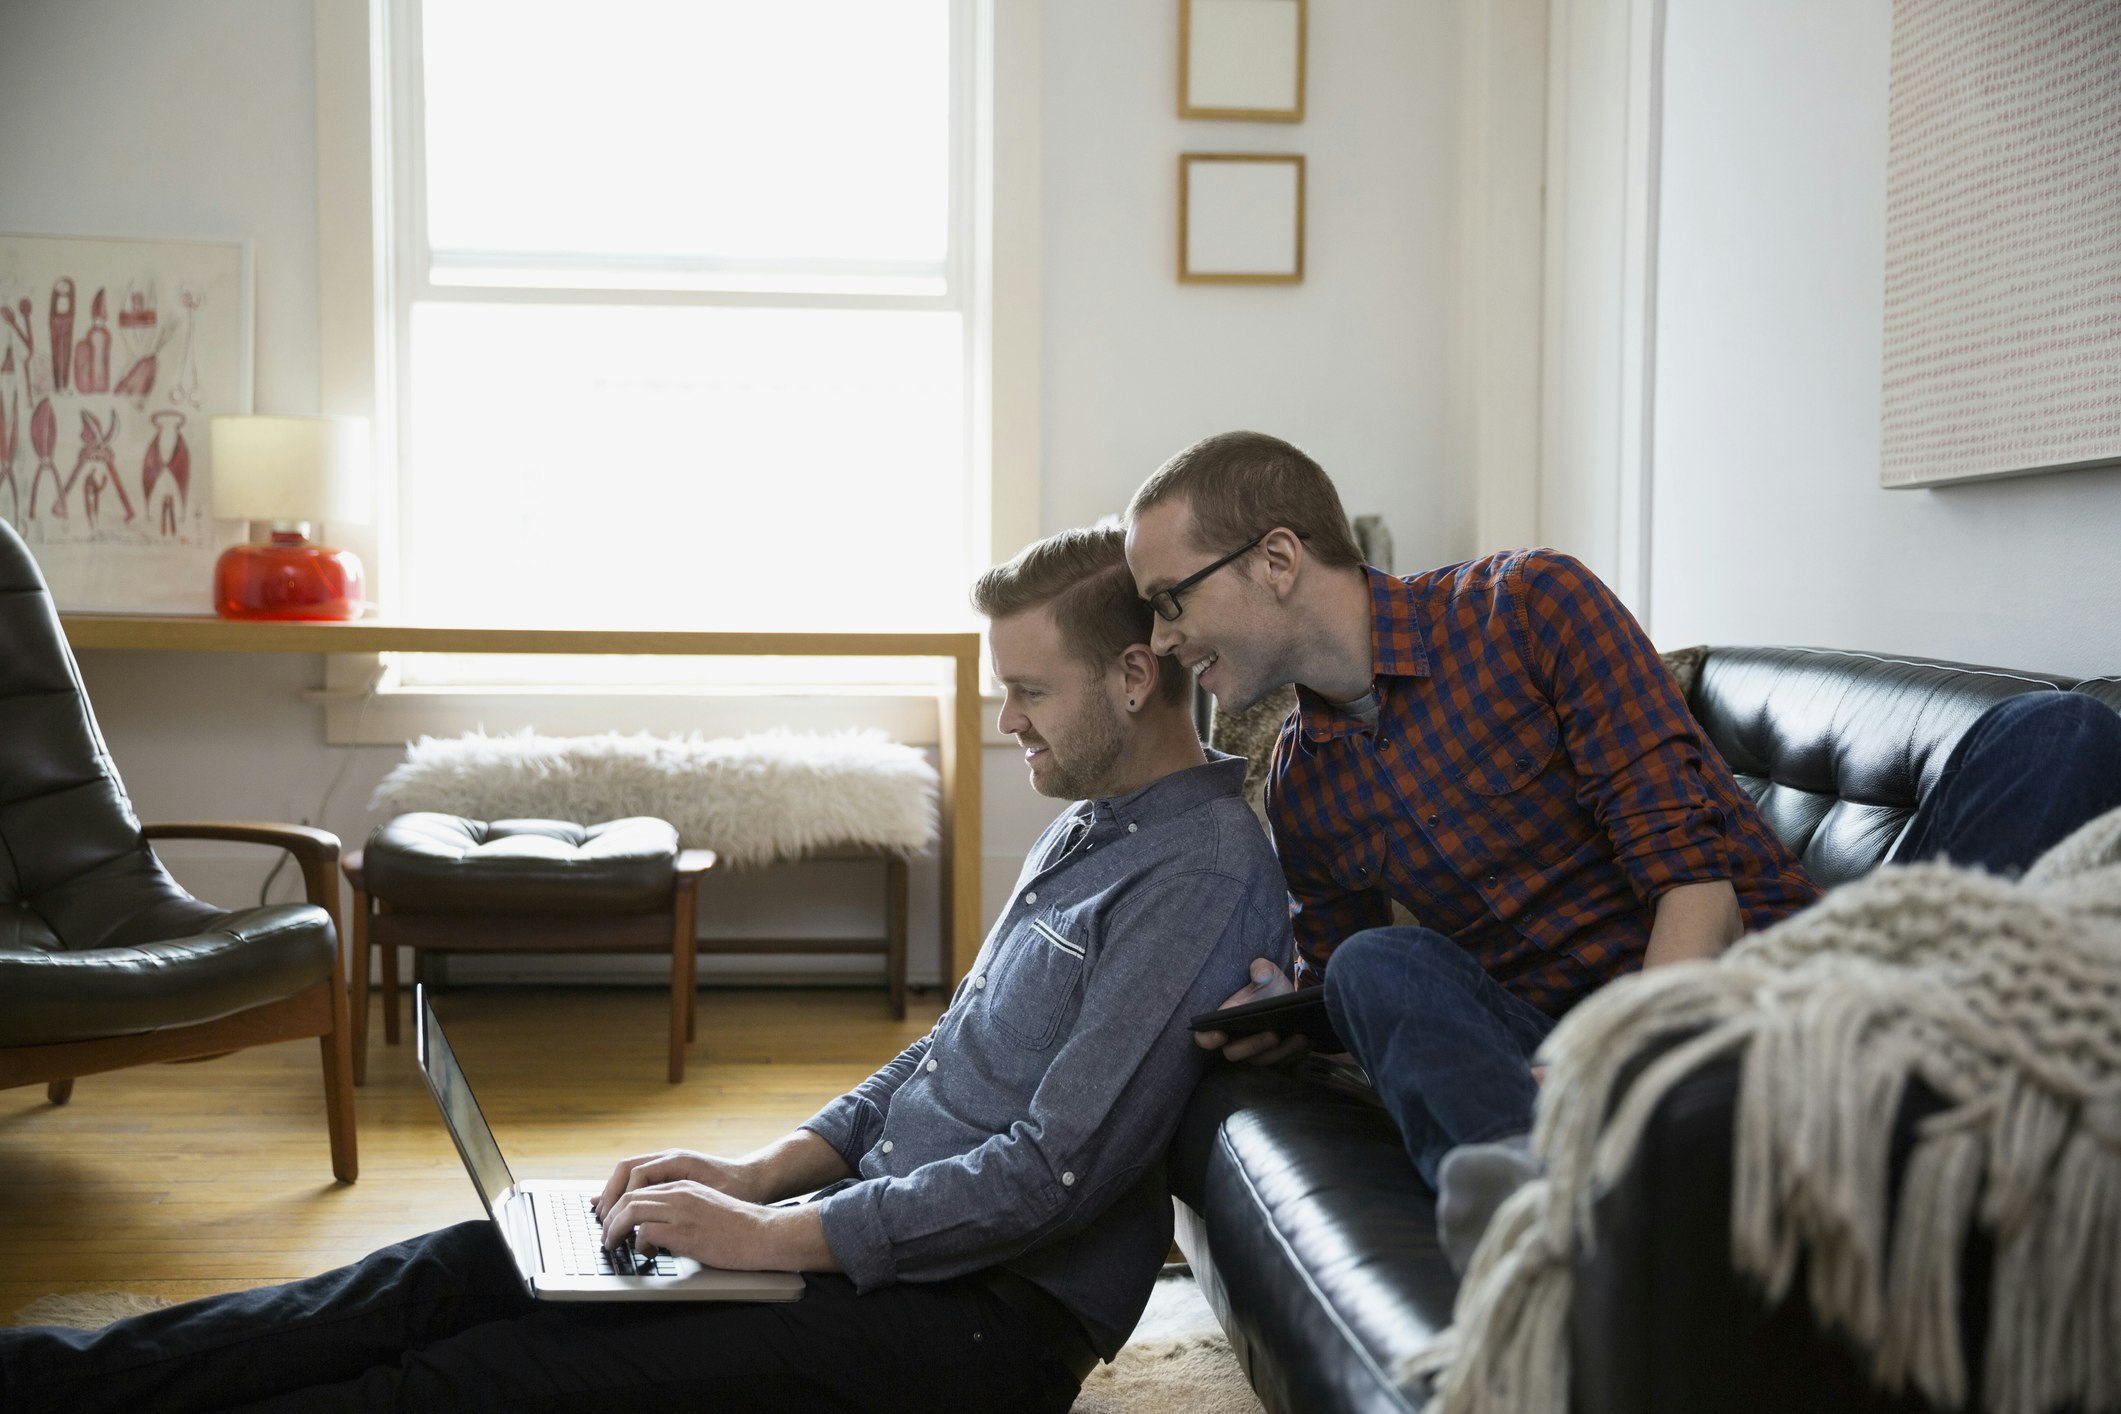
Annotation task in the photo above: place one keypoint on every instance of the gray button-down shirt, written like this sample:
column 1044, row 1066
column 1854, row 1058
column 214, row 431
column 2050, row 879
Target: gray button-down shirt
column 1028, row 1128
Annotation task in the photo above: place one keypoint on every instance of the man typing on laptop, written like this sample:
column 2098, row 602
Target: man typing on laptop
column 992, row 1209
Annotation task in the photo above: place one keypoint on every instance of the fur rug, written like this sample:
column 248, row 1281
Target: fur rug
column 752, row 800
column 1178, row 1361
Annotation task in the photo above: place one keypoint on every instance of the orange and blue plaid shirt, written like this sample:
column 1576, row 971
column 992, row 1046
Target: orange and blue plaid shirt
column 1531, row 785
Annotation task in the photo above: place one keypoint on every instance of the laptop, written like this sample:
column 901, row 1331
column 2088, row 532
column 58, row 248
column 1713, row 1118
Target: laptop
column 557, row 1241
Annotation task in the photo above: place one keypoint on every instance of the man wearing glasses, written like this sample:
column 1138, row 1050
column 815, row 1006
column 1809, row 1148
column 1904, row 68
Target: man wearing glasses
column 1496, row 745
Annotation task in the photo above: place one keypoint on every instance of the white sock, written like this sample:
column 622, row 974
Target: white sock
column 1472, row 1182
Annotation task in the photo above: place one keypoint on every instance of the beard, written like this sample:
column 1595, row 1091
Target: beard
column 1080, row 756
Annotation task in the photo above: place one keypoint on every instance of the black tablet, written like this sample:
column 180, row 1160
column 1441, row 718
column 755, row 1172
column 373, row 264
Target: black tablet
column 1298, row 1013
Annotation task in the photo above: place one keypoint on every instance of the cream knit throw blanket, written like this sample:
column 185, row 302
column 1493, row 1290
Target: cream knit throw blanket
column 2004, row 997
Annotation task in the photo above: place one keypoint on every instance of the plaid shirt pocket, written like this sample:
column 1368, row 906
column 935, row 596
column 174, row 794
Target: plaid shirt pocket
column 1357, row 863
column 1502, row 758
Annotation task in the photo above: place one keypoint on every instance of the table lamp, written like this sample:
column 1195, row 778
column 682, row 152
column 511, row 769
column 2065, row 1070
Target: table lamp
column 291, row 472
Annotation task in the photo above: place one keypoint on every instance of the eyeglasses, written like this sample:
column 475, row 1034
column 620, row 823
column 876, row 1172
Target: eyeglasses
column 1165, row 601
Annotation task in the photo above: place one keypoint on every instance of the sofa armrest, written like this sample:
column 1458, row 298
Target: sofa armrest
column 1661, row 1323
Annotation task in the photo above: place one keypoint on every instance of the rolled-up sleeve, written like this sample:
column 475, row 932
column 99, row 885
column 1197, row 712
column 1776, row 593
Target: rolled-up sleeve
column 852, row 1123
column 1103, row 1112
column 1637, row 751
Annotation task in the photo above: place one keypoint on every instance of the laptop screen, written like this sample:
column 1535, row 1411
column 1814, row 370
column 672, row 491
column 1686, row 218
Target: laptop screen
column 460, row 1109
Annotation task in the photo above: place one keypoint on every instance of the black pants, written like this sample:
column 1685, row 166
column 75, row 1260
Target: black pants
column 442, row 1322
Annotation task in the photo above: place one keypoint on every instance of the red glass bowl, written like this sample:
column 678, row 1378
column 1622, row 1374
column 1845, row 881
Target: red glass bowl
column 291, row 578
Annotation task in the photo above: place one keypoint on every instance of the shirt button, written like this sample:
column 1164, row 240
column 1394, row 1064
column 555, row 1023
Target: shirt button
column 1524, row 764
column 1491, row 881
column 1067, row 1180
column 979, row 982
column 887, row 1146
column 1434, row 818
column 1130, row 827
column 1030, row 898
column 931, row 1064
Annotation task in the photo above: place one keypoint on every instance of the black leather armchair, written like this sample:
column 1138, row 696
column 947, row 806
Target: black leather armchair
column 1315, row 1240
column 105, row 962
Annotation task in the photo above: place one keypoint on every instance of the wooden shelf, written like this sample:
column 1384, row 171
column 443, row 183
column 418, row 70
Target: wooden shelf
column 213, row 635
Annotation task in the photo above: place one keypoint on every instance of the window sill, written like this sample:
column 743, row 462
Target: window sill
column 354, row 717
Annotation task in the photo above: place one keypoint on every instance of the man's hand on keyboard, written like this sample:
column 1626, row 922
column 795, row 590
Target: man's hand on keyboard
column 716, row 1230
column 670, row 1166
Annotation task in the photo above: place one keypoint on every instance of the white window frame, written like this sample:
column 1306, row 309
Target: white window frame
column 365, row 298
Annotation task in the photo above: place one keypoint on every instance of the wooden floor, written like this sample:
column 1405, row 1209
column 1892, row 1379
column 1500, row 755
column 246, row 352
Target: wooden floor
column 181, row 1180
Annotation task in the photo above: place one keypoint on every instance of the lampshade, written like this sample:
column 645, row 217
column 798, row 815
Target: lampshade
column 291, row 469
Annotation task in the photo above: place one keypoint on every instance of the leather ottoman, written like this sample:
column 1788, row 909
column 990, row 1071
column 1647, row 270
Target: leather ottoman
column 444, row 884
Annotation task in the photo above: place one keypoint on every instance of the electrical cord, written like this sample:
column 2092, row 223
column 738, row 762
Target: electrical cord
column 338, row 777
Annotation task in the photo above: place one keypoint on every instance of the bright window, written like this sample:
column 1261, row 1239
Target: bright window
column 682, row 323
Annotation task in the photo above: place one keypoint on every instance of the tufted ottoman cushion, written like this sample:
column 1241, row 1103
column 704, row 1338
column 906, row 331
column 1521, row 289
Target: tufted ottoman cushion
column 431, row 863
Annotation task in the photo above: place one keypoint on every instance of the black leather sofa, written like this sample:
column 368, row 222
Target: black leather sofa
column 1314, row 1240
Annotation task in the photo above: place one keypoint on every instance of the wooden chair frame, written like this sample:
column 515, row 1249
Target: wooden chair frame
column 320, row 1011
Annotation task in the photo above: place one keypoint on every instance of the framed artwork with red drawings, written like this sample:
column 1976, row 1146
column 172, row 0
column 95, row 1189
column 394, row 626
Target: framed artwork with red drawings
column 113, row 356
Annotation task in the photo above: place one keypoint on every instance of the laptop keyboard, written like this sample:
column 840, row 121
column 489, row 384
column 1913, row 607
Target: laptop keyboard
column 582, row 1252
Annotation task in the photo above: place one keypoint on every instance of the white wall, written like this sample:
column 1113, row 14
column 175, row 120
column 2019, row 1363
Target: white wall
column 1350, row 364
column 1769, row 526
column 1586, row 176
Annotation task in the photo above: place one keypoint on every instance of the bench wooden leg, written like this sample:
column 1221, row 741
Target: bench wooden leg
column 390, row 994
column 59, row 1091
column 684, row 950
column 895, row 923
column 357, row 985
column 692, row 992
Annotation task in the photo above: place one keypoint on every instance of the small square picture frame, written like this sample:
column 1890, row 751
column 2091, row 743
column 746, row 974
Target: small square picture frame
column 1242, row 60
column 1240, row 218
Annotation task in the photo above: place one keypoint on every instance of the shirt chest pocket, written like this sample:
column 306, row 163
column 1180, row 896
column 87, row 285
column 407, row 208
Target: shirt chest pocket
column 1036, row 981
column 1358, row 861
column 1506, row 755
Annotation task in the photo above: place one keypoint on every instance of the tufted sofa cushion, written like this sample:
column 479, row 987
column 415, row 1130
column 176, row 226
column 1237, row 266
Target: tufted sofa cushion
column 1838, row 748
column 431, row 863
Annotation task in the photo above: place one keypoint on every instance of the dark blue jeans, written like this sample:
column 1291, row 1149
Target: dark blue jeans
column 1449, row 1050
column 2027, row 773
column 442, row 1323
